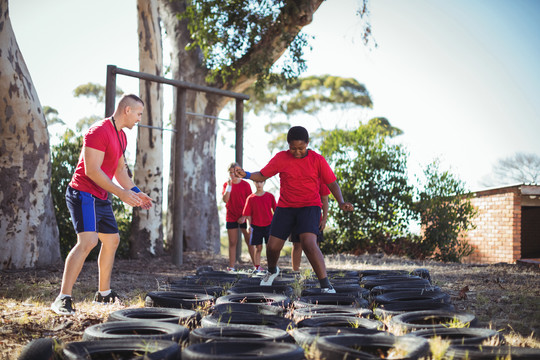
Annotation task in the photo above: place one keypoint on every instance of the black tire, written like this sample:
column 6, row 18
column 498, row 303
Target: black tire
column 42, row 349
column 249, row 308
column 370, row 282
column 403, row 307
column 308, row 335
column 330, row 310
column 238, row 333
column 341, row 321
column 373, row 272
column 123, row 349
column 274, row 289
column 423, row 273
column 136, row 329
column 242, row 318
column 331, row 299
column 371, row 346
column 333, row 274
column 342, row 281
column 475, row 352
column 255, row 280
column 412, row 297
column 176, row 299
column 204, row 269
column 347, row 289
column 200, row 289
column 460, row 336
column 189, row 318
column 256, row 298
column 432, row 319
column 384, row 289
column 245, row 350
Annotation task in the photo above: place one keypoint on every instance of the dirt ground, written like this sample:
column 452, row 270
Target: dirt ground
column 505, row 297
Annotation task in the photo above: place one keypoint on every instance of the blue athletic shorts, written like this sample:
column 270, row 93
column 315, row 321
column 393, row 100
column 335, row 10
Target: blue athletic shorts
column 258, row 233
column 295, row 220
column 235, row 225
column 88, row 213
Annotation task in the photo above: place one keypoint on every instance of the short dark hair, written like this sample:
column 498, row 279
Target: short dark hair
column 297, row 133
column 128, row 99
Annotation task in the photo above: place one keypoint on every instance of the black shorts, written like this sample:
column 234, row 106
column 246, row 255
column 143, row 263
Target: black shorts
column 235, row 225
column 89, row 213
column 287, row 221
column 258, row 234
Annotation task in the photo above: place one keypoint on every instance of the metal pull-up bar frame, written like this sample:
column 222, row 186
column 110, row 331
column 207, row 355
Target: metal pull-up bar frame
column 179, row 136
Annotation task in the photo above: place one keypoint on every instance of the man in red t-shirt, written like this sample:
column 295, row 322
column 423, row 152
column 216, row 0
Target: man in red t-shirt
column 91, row 211
column 301, row 172
column 259, row 211
column 235, row 193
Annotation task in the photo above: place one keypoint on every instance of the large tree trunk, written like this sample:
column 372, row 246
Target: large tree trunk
column 29, row 234
column 201, row 222
column 147, row 228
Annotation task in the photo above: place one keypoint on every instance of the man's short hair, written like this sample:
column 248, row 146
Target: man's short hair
column 297, row 133
column 129, row 100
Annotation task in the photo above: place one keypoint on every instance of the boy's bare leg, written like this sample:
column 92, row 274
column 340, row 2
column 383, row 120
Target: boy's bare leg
column 86, row 241
column 251, row 248
column 273, row 249
column 233, row 240
column 314, row 254
column 109, row 244
column 257, row 254
column 296, row 256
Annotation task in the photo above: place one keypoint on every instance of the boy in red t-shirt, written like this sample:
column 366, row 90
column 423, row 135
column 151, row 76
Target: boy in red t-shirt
column 259, row 211
column 301, row 172
column 235, row 193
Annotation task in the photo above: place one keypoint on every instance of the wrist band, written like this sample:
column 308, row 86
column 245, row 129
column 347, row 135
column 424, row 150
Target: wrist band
column 228, row 188
column 248, row 175
column 135, row 189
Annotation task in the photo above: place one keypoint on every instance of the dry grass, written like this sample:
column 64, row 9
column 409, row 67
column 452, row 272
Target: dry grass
column 503, row 297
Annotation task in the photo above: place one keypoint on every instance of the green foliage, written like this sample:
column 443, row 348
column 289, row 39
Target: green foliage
column 308, row 95
column 446, row 213
column 93, row 91
column 372, row 175
column 51, row 116
column 227, row 32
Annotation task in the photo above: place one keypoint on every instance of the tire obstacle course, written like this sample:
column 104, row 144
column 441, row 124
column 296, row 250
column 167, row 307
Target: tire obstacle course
column 375, row 314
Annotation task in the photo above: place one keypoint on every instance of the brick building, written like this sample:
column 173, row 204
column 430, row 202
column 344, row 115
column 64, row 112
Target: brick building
column 507, row 225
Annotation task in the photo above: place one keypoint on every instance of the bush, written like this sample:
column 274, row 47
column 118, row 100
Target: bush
column 446, row 213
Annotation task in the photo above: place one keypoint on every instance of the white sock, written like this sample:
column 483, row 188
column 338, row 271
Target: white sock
column 105, row 293
column 61, row 296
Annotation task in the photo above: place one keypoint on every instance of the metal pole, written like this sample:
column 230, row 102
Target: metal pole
column 110, row 90
column 179, row 141
column 239, row 117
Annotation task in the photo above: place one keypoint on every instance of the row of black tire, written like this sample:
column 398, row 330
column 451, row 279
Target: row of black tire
column 249, row 322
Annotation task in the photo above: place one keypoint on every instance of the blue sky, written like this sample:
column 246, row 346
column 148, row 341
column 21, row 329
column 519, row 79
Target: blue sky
column 461, row 78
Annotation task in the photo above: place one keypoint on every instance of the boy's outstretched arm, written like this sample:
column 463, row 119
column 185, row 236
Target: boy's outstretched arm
column 336, row 191
column 255, row 176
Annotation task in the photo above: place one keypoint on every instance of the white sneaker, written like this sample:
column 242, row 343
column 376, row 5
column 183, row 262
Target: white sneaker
column 329, row 290
column 268, row 279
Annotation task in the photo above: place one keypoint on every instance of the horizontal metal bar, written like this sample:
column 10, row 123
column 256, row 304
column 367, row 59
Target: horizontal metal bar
column 209, row 116
column 155, row 127
column 179, row 83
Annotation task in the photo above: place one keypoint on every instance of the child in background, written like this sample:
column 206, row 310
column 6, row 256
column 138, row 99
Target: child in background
column 235, row 193
column 301, row 172
column 259, row 211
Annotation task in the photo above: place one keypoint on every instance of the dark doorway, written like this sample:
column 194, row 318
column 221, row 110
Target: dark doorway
column 530, row 232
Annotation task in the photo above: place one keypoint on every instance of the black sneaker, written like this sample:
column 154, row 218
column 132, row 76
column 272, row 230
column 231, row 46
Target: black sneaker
column 63, row 306
column 109, row 299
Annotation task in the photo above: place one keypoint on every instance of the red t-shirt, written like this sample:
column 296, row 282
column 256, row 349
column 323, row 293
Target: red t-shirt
column 324, row 190
column 300, row 179
column 237, row 200
column 101, row 136
column 260, row 208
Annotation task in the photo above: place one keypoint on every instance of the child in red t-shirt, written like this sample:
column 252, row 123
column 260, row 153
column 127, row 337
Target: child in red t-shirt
column 301, row 172
column 259, row 211
column 235, row 193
